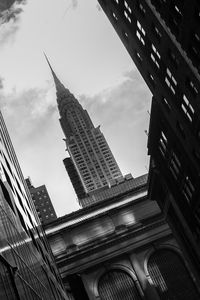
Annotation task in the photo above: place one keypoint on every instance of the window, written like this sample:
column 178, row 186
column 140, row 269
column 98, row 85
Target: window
column 174, row 60
column 180, row 129
column 142, row 9
column 192, row 88
column 140, row 33
column 157, row 33
column 167, row 105
column 125, row 35
column 170, row 81
column 175, row 165
column 127, row 16
column 151, row 79
column 178, row 12
column 115, row 17
column 188, row 189
column 187, row 108
column 155, row 56
column 197, row 38
column 163, row 143
column 127, row 7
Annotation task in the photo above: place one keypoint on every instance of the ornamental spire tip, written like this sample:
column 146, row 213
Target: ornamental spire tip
column 58, row 84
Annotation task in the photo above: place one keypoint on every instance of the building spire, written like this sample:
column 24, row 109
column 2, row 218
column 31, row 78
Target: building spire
column 58, row 84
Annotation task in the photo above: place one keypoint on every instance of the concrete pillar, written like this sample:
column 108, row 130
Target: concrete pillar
column 150, row 292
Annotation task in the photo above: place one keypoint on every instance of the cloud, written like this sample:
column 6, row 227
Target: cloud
column 1, row 83
column 11, row 11
column 74, row 3
column 32, row 119
column 9, row 20
column 127, row 102
column 7, row 34
column 98, row 7
column 28, row 113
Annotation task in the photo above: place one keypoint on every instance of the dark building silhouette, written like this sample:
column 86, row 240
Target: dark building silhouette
column 42, row 202
column 27, row 268
column 74, row 177
column 163, row 39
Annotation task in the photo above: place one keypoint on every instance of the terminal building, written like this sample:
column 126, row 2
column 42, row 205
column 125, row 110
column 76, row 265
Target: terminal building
column 120, row 248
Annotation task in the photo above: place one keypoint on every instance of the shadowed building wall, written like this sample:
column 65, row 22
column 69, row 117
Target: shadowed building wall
column 163, row 39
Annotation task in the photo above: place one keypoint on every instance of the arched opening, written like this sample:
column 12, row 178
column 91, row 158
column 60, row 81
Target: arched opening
column 117, row 285
column 170, row 276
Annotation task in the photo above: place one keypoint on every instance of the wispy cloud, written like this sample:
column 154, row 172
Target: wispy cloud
column 127, row 101
column 11, row 11
column 74, row 3
column 1, row 83
column 98, row 7
column 9, row 20
column 71, row 5
column 28, row 112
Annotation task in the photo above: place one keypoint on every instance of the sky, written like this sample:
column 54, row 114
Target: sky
column 91, row 61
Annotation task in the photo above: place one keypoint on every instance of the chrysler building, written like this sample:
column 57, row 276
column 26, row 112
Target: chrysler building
column 90, row 156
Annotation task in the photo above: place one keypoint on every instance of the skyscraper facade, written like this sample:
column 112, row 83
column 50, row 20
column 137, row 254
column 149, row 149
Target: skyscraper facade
column 27, row 269
column 163, row 39
column 42, row 202
column 90, row 154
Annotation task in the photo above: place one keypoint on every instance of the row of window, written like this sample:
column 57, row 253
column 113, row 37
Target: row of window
column 177, row 168
column 170, row 80
column 156, row 58
column 185, row 106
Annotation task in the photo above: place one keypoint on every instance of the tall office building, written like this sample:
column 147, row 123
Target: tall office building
column 163, row 39
column 27, row 269
column 93, row 161
column 42, row 202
